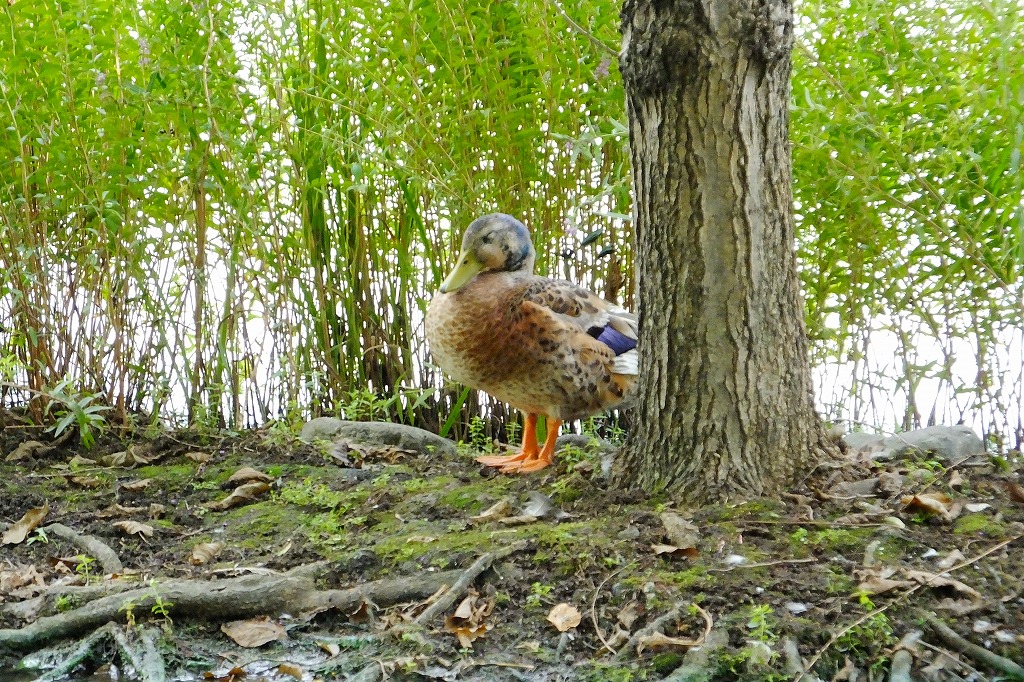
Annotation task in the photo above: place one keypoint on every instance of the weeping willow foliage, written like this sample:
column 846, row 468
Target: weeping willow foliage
column 224, row 213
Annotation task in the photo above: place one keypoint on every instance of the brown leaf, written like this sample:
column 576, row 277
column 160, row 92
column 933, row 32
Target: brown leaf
column 243, row 494
column 1014, row 490
column 13, row 580
column 132, row 456
column 137, row 485
column 676, row 552
column 879, row 584
column 119, row 510
column 204, row 553
column 657, row 640
column 90, row 482
column 467, row 623
column 564, row 617
column 134, row 528
column 17, row 533
column 248, row 474
column 629, row 613
column 291, row 670
column 499, row 510
column 518, row 520
column 29, row 448
column 199, row 457
column 937, row 580
column 255, row 632
column 929, row 503
column 332, row 648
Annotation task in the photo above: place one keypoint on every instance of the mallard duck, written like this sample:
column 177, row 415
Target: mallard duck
column 544, row 346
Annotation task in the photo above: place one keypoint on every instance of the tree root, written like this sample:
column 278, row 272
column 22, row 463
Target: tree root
column 375, row 670
column 92, row 546
column 221, row 600
column 144, row 658
column 46, row 603
column 975, row 652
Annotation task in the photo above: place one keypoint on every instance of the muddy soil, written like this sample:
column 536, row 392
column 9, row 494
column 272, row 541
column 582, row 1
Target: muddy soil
column 848, row 573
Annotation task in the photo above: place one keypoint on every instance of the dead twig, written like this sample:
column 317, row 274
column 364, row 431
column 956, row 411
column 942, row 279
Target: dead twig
column 899, row 600
column 593, row 609
column 445, row 601
column 977, row 653
column 809, row 560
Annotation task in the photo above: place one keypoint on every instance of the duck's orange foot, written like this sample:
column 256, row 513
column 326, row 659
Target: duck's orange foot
column 523, row 463
column 505, row 460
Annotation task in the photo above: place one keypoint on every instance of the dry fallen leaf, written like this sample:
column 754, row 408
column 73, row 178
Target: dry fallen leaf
column 130, row 457
column 90, row 482
column 205, row 552
column 629, row 613
column 119, row 510
column 937, row 580
column 247, row 474
column 930, row 503
column 29, row 448
column 656, row 640
column 136, row 485
column 332, row 648
column 134, row 528
column 675, row 552
column 467, row 623
column 255, row 632
column 20, row 577
column 291, row 670
column 950, row 560
column 199, row 457
column 876, row 583
column 499, row 510
column 234, row 675
column 243, row 494
column 17, row 533
column 1014, row 490
column 564, row 617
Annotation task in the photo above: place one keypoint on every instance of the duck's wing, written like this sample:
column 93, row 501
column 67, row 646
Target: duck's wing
column 608, row 323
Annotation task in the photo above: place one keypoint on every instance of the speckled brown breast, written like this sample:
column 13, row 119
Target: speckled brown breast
column 487, row 337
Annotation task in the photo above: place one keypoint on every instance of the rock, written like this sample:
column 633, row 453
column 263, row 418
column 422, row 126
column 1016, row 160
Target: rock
column 866, row 442
column 376, row 434
column 585, row 443
column 949, row 443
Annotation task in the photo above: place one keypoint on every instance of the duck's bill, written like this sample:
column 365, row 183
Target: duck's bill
column 466, row 270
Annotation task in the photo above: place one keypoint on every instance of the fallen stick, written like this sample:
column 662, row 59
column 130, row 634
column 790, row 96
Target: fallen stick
column 80, row 653
column 374, row 671
column 445, row 601
column 977, row 653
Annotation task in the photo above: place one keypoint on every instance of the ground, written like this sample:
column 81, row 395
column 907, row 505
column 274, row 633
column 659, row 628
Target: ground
column 837, row 575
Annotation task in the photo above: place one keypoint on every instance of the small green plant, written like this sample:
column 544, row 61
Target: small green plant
column 65, row 603
column 84, row 567
column 160, row 607
column 478, row 434
column 129, row 612
column 538, row 592
column 760, row 623
column 869, row 638
column 38, row 536
column 73, row 409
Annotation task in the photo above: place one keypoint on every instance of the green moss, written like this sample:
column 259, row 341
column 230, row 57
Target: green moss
column 979, row 524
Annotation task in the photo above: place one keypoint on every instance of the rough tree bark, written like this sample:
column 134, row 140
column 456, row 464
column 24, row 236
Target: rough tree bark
column 725, row 407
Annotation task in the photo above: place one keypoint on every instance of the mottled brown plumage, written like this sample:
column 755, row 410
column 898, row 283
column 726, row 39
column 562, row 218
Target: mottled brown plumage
column 528, row 340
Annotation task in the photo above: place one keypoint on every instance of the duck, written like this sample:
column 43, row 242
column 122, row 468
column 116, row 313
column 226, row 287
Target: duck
column 547, row 347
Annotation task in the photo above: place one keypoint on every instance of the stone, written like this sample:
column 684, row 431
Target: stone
column 376, row 434
column 948, row 443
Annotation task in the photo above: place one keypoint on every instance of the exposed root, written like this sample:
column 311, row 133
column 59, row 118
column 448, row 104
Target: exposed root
column 221, row 600
column 94, row 547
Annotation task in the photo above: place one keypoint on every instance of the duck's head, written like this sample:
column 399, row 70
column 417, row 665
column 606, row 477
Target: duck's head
column 492, row 242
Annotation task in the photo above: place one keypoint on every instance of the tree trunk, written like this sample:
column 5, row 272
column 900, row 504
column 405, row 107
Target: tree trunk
column 725, row 407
